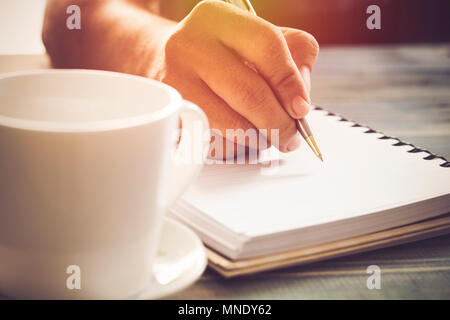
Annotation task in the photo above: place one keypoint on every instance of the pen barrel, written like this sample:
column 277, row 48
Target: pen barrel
column 306, row 126
column 301, row 129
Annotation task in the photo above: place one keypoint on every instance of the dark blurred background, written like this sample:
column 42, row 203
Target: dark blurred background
column 344, row 21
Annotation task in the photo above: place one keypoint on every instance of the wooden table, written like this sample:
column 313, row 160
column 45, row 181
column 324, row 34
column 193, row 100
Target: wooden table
column 403, row 91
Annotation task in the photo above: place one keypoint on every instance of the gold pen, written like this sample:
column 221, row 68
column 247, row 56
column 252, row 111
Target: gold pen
column 302, row 125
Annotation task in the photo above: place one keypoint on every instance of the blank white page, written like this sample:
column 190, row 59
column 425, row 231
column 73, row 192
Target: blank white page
column 361, row 174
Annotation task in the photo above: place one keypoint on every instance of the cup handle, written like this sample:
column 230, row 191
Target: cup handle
column 192, row 149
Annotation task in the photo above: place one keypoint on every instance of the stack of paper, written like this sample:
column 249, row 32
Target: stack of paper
column 368, row 183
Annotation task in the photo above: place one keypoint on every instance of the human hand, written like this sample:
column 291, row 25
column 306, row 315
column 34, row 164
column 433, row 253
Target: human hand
column 243, row 71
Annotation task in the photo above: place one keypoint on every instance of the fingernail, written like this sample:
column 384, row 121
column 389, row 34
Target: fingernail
column 306, row 75
column 294, row 143
column 300, row 107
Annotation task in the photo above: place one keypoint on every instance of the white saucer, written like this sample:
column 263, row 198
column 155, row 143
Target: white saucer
column 180, row 262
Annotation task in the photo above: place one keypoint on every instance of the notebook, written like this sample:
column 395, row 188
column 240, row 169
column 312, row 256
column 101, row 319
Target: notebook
column 371, row 190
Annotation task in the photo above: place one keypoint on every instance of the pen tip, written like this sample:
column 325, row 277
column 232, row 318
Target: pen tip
column 321, row 158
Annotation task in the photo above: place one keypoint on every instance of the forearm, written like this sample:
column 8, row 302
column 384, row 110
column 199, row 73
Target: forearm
column 116, row 35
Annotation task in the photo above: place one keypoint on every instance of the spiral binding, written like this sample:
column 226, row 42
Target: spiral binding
column 399, row 143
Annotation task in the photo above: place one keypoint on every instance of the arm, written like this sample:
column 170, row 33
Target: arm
column 116, row 35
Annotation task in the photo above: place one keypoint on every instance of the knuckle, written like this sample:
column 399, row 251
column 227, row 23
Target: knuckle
column 183, row 45
column 173, row 43
column 312, row 44
column 272, row 43
column 202, row 6
column 205, row 7
column 275, row 33
column 254, row 98
column 285, row 79
column 202, row 20
column 304, row 44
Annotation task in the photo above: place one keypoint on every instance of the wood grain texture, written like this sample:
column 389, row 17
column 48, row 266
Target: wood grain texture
column 403, row 91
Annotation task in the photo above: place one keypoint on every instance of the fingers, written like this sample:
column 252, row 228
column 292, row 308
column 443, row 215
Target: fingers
column 304, row 50
column 247, row 93
column 262, row 44
column 249, row 76
column 232, row 136
column 221, row 118
column 303, row 46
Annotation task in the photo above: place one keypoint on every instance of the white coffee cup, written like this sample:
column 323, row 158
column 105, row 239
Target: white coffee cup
column 88, row 168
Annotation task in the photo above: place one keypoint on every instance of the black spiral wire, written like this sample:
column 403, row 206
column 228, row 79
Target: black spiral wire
column 399, row 143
